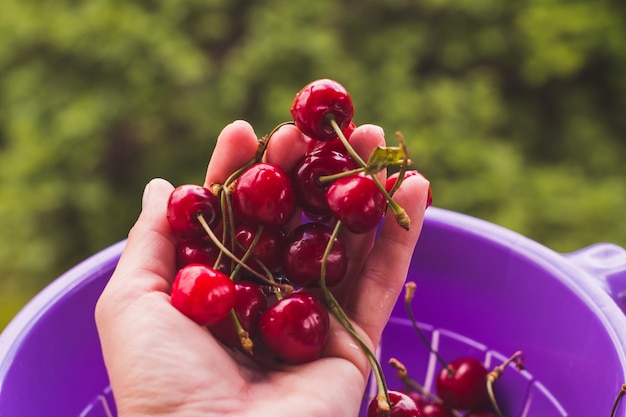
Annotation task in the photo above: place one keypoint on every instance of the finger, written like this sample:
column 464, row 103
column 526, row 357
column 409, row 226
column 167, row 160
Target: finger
column 147, row 262
column 378, row 286
column 286, row 147
column 364, row 140
column 236, row 145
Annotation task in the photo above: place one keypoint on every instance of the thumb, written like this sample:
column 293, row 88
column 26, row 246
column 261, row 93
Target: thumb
column 147, row 263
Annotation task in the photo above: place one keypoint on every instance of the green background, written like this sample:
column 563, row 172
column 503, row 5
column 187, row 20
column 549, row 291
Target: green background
column 514, row 110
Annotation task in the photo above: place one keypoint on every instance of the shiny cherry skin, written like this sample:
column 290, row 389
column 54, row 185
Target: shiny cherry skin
column 267, row 250
column 357, row 202
column 391, row 181
column 317, row 103
column 199, row 251
column 310, row 192
column 263, row 195
column 401, row 406
column 303, row 254
column 433, row 409
column 203, row 294
column 183, row 206
column 250, row 302
column 330, row 145
column 295, row 328
column 466, row 387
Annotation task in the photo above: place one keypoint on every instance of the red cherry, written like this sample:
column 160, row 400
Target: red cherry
column 203, row 294
column 432, row 409
column 303, row 254
column 267, row 250
column 391, row 181
column 331, row 145
column 317, row 103
column 183, row 206
column 401, row 406
column 466, row 387
column 295, row 328
column 264, row 195
column 250, row 302
column 199, row 251
column 310, row 192
column 357, row 202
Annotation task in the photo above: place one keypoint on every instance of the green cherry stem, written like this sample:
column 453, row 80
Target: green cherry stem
column 400, row 214
column 408, row 298
column 492, row 376
column 384, row 402
column 286, row 288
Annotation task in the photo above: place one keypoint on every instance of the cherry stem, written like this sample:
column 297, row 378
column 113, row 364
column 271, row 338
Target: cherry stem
column 384, row 402
column 492, row 376
column 400, row 214
column 408, row 298
column 328, row 178
column 410, row 383
column 403, row 167
column 285, row 288
column 620, row 394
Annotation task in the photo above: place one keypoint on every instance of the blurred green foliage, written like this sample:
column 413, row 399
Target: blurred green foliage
column 514, row 110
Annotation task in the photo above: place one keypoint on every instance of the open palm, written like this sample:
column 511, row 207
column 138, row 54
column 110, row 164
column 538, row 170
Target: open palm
column 161, row 363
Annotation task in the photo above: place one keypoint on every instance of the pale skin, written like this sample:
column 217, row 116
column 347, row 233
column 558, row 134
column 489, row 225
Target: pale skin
column 160, row 363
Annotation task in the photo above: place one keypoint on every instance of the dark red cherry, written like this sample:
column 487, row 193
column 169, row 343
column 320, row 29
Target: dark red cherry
column 465, row 388
column 264, row 195
column 330, row 145
column 199, row 251
column 357, row 202
column 433, row 409
column 295, row 328
column 184, row 205
column 317, row 103
column 304, row 252
column 250, row 302
column 401, row 406
column 203, row 294
column 267, row 250
column 310, row 192
column 391, row 181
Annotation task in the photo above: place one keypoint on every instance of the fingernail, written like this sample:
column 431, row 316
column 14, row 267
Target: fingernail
column 146, row 193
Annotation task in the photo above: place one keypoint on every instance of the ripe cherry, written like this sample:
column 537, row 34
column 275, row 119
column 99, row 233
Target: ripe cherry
column 401, row 406
column 295, row 328
column 393, row 178
column 465, row 387
column 435, row 409
column 317, row 103
column 199, row 251
column 310, row 192
column 267, row 250
column 331, row 145
column 264, row 195
column 250, row 302
column 304, row 252
column 203, row 294
column 357, row 202
column 184, row 205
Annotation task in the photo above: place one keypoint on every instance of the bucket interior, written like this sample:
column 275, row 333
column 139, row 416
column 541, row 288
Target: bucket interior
column 481, row 291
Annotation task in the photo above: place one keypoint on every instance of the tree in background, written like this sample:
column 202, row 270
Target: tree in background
column 513, row 110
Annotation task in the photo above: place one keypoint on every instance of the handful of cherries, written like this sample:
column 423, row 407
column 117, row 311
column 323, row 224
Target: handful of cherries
column 258, row 254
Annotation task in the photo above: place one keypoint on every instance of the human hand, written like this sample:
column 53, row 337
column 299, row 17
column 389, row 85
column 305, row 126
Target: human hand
column 160, row 363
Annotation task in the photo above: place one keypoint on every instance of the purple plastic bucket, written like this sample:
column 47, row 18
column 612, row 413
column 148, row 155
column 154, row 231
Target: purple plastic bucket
column 482, row 291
